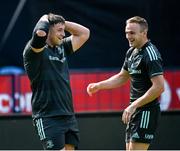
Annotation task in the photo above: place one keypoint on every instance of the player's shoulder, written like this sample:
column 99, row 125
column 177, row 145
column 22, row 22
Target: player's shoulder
column 129, row 51
column 27, row 48
column 66, row 40
column 151, row 52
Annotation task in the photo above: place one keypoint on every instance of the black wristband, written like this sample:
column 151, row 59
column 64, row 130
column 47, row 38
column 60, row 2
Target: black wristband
column 38, row 42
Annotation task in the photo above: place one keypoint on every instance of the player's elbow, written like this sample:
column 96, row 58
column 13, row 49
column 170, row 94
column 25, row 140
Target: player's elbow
column 160, row 88
column 86, row 34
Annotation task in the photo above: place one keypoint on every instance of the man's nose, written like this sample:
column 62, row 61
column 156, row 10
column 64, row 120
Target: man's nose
column 63, row 33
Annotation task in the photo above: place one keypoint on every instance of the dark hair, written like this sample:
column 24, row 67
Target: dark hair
column 54, row 19
column 139, row 20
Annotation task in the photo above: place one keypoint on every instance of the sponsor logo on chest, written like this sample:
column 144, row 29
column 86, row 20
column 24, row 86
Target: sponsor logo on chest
column 59, row 57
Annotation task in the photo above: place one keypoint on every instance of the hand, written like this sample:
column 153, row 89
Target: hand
column 44, row 18
column 128, row 112
column 92, row 88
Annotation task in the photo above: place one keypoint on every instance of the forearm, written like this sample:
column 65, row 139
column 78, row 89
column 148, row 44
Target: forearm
column 149, row 96
column 153, row 92
column 113, row 82
column 79, row 34
column 42, row 24
column 75, row 29
column 40, row 32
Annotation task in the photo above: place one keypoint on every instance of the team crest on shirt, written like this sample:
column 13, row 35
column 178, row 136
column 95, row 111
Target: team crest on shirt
column 134, row 63
column 60, row 50
column 60, row 57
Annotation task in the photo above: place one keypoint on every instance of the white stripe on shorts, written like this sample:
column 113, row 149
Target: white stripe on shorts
column 40, row 129
column 145, row 119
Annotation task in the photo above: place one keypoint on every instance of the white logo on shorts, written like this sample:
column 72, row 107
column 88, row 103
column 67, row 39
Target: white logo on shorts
column 49, row 144
column 135, row 135
column 149, row 136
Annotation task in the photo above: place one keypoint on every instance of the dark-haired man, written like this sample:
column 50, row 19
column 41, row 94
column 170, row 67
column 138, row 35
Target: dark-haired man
column 45, row 61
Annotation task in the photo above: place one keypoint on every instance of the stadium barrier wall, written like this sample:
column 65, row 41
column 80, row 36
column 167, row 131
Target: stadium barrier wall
column 15, row 93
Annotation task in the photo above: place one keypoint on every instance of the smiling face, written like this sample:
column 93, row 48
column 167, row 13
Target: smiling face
column 135, row 35
column 56, row 34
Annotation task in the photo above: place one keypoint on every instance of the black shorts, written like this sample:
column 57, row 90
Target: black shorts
column 55, row 132
column 143, row 124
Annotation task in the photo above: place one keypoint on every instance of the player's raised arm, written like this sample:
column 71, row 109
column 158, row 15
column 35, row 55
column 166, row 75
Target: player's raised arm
column 40, row 33
column 113, row 82
column 79, row 34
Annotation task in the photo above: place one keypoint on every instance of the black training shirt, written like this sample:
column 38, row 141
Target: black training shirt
column 49, row 77
column 142, row 64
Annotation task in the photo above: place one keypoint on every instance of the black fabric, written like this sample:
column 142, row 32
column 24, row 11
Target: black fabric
column 142, row 65
column 68, row 45
column 55, row 132
column 38, row 42
column 50, row 81
column 41, row 25
column 143, row 124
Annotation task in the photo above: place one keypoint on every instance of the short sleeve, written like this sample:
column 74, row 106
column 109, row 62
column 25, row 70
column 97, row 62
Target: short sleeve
column 128, row 54
column 154, row 67
column 67, row 46
column 125, row 64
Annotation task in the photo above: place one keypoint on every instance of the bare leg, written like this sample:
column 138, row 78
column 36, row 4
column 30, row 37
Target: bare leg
column 137, row 146
column 127, row 146
column 69, row 147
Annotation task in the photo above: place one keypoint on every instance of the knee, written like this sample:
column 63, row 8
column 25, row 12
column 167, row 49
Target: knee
column 69, row 147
